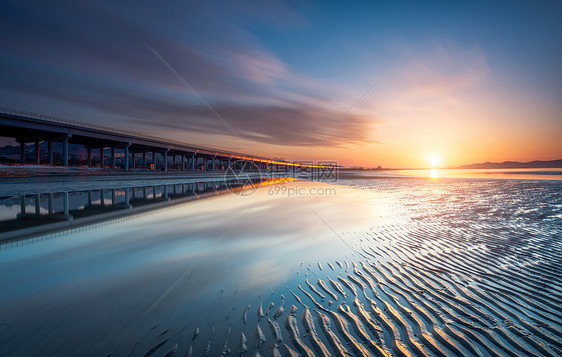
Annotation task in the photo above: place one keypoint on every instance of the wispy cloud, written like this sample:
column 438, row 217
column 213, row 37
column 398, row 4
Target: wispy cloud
column 101, row 62
column 446, row 70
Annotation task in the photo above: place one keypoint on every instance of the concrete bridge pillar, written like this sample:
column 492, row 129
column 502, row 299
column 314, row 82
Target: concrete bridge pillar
column 37, row 153
column 51, row 206
column 50, row 151
column 22, row 204
column 144, row 160
column 213, row 165
column 165, row 159
column 193, row 162
column 89, row 157
column 38, row 204
column 127, row 197
column 112, row 157
column 65, row 152
column 22, row 153
column 127, row 158
column 66, row 205
column 101, row 157
column 183, row 162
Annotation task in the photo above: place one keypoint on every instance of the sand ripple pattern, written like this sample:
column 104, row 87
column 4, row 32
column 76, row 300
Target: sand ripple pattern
column 467, row 273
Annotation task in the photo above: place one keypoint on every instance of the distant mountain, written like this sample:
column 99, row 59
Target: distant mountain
column 515, row 165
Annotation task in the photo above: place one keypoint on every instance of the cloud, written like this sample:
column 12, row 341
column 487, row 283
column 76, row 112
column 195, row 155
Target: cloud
column 95, row 55
column 445, row 70
column 260, row 67
column 435, row 81
column 293, row 124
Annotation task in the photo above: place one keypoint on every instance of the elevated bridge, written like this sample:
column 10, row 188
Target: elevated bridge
column 126, row 148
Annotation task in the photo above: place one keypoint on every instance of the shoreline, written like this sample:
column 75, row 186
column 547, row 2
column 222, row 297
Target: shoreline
column 45, row 171
column 30, row 185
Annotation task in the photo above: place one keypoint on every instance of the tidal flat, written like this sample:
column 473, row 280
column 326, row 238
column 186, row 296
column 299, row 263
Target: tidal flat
column 415, row 266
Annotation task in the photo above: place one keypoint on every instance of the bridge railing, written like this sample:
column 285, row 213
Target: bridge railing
column 59, row 120
column 137, row 134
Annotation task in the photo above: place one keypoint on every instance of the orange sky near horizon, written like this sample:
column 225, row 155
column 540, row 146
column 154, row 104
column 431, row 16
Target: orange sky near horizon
column 470, row 114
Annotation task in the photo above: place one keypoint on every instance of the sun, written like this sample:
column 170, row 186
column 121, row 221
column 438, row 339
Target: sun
column 434, row 161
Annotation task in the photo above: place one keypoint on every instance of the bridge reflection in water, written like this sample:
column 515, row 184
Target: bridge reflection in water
column 27, row 216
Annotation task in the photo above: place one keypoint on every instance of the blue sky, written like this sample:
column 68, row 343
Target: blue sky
column 466, row 81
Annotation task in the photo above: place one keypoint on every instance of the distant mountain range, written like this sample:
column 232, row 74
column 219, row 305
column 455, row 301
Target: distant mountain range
column 537, row 164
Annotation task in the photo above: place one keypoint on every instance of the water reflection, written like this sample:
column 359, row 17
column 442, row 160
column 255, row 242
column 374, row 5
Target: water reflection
column 25, row 215
column 397, row 248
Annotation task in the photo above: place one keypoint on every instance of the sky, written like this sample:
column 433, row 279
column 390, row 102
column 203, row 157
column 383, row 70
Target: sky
column 368, row 83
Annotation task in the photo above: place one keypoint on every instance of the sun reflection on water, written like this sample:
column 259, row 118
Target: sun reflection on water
column 434, row 173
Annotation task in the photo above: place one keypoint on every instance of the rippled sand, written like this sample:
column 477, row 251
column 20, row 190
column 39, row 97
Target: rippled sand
column 392, row 267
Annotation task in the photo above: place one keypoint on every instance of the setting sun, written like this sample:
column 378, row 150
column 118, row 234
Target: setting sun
column 434, row 161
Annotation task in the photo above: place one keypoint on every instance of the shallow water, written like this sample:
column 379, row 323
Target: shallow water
column 402, row 267
column 507, row 174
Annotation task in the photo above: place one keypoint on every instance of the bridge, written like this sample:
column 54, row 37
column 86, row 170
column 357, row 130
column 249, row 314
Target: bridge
column 126, row 146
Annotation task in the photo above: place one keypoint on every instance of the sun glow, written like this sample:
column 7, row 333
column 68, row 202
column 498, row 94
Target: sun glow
column 434, row 161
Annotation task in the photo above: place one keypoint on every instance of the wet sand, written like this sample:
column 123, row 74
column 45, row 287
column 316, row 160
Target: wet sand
column 384, row 267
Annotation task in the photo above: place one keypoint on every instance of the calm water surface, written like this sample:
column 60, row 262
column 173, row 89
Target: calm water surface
column 427, row 267
column 521, row 174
